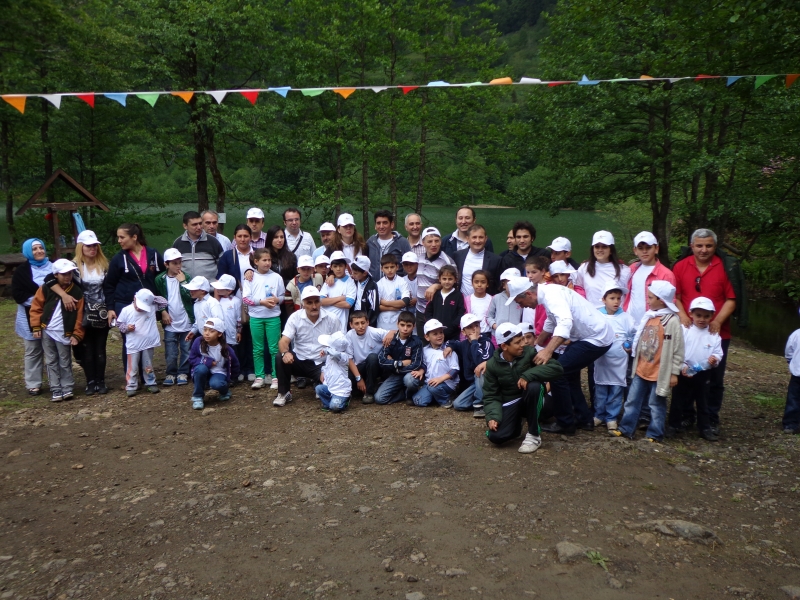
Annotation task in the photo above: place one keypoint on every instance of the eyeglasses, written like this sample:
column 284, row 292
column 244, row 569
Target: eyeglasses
column 697, row 284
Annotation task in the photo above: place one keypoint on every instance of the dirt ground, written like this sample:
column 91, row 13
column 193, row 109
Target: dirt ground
column 109, row 497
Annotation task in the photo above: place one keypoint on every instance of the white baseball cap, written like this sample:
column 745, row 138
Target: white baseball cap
column 172, row 254
column 322, row 260
column 645, row 237
column 255, row 213
column 433, row 324
column 339, row 255
column 410, row 257
column 362, row 262
column 326, row 227
column 468, row 319
column 87, row 237
column 603, row 237
column 665, row 291
column 198, row 283
column 526, row 328
column 215, row 323
column 430, row 231
column 509, row 273
column 703, row 303
column 517, row 286
column 305, row 261
column 561, row 244
column 226, row 282
column 309, row 291
column 64, row 265
column 561, row 266
column 612, row 286
column 505, row 332
column 145, row 300
column 345, row 219
column 336, row 340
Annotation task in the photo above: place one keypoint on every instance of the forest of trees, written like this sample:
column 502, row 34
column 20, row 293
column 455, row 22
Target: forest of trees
column 687, row 153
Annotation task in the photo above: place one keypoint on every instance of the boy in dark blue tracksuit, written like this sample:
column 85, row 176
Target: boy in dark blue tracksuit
column 398, row 360
column 473, row 352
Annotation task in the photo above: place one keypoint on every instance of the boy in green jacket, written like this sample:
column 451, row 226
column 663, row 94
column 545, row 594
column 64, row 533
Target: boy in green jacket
column 513, row 388
column 176, row 318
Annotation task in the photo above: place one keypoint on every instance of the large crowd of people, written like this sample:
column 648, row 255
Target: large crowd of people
column 425, row 318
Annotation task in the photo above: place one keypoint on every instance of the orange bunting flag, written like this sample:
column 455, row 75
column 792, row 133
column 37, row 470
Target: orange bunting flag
column 251, row 96
column 408, row 88
column 344, row 92
column 791, row 78
column 645, row 77
column 17, row 102
column 501, row 81
column 88, row 98
column 185, row 96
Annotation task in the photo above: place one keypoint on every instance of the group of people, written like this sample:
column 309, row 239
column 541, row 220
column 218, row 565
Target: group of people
column 425, row 318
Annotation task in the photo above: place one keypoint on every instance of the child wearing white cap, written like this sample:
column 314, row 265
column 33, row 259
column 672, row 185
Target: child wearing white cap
column 214, row 363
column 367, row 297
column 644, row 272
column 499, row 310
column 334, row 392
column 305, row 277
column 439, row 372
column 137, row 322
column 393, row 292
column 703, row 352
column 340, row 297
column 561, row 249
column 322, row 267
column 176, row 318
column 658, row 358
column 231, row 306
column 205, row 305
column 473, row 352
column 410, row 262
column 602, row 268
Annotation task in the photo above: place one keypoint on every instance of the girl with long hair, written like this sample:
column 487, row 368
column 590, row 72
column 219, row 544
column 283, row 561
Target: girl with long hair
column 214, row 363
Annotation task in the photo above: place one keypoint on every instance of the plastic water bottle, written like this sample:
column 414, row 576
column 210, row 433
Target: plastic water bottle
column 397, row 294
column 627, row 345
column 267, row 291
column 696, row 368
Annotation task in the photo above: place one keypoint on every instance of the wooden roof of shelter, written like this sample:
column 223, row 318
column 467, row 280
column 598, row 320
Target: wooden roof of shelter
column 60, row 174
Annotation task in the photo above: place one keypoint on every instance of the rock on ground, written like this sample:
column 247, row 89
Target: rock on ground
column 569, row 552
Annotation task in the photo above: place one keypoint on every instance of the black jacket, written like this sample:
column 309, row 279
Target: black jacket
column 449, row 311
column 125, row 278
column 370, row 302
column 411, row 350
column 450, row 246
column 491, row 263
column 512, row 260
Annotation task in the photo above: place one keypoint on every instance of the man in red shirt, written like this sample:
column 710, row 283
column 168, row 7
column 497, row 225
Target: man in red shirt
column 703, row 274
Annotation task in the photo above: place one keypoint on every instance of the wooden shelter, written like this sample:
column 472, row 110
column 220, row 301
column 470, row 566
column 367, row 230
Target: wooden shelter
column 54, row 207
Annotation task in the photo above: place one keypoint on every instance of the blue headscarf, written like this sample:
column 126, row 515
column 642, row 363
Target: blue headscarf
column 27, row 251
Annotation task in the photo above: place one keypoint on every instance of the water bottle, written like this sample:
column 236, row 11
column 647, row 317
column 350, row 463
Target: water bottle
column 397, row 295
column 267, row 291
column 626, row 344
column 695, row 368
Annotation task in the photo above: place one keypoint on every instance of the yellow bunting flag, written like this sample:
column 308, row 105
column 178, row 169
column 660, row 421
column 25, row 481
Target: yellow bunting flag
column 17, row 102
column 501, row 81
column 645, row 77
column 186, row 96
column 344, row 92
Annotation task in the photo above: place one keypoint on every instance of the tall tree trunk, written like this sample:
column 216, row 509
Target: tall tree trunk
column 662, row 226
column 5, row 148
column 219, row 183
column 393, row 128
column 199, row 156
column 423, row 137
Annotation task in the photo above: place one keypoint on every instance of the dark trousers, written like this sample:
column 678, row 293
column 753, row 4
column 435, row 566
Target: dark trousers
column 527, row 407
column 791, row 414
column 689, row 392
column 420, row 319
column 590, row 373
column 244, row 352
column 718, row 386
column 370, row 370
column 91, row 353
column 567, row 393
column 299, row 368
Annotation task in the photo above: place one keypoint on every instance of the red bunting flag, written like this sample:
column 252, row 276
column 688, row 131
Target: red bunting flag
column 408, row 88
column 706, row 77
column 88, row 98
column 791, row 78
column 555, row 83
column 251, row 96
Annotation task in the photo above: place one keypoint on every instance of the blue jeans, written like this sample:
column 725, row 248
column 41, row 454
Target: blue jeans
column 607, row 402
column 570, row 403
column 331, row 401
column 791, row 414
column 472, row 397
column 203, row 377
column 426, row 395
column 395, row 388
column 175, row 344
column 640, row 391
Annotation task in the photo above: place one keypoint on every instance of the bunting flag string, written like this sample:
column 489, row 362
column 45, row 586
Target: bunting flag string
column 18, row 100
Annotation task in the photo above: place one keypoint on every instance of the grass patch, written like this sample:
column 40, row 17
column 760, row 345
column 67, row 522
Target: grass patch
column 769, row 401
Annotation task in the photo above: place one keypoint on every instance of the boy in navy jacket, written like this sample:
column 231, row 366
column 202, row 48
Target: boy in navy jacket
column 397, row 360
column 472, row 352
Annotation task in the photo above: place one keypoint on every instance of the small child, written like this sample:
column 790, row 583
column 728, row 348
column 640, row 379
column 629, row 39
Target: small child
column 473, row 352
column 393, row 293
column 791, row 413
column 305, row 277
column 447, row 305
column 322, row 267
column 561, row 249
column 658, row 359
column 398, row 362
column 479, row 302
column 263, row 296
column 176, row 318
column 339, row 297
column 410, row 262
column 205, row 305
column 536, row 269
column 363, row 344
column 498, row 311
column 62, row 328
column 366, row 289
column 334, row 391
column 611, row 369
column 439, row 373
column 138, row 322
column 703, row 351
column 214, row 363
column 231, row 307
column 528, row 335
column 562, row 273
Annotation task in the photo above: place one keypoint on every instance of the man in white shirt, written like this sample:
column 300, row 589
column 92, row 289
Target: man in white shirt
column 302, row 330
column 465, row 218
column 210, row 225
column 477, row 257
column 297, row 241
column 570, row 318
column 413, row 225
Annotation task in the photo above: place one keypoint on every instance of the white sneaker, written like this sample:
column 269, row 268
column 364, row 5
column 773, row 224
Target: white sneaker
column 241, row 377
column 258, row 383
column 597, row 422
column 530, row 444
column 251, row 377
column 282, row 399
column 274, row 384
column 612, row 425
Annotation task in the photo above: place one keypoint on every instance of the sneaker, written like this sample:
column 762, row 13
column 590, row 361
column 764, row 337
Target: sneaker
column 240, row 378
column 611, row 425
column 67, row 396
column 100, row 387
column 714, row 429
column 597, row 422
column 478, row 413
column 368, row 399
column 153, row 389
column 282, row 399
column 131, row 393
column 530, row 444
column 258, row 383
column 251, row 377
column 168, row 380
column 225, row 397
column 709, row 435
column 615, row 432
column 791, row 430
column 183, row 379
column 197, row 403
column 687, row 423
column 651, row 440
column 448, row 404
column 274, row 384
column 293, row 379
column 57, row 397
column 91, row 388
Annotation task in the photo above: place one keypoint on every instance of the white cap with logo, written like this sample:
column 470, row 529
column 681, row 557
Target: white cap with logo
column 561, row 244
column 63, row 265
column 561, row 266
column 409, row 257
column 361, row 262
column 145, row 300
column 309, row 291
column 87, row 237
column 172, row 254
column 665, row 291
column 645, row 237
column 430, row 231
column 603, row 237
column 345, row 219
column 336, row 340
column 226, row 282
column 703, row 303
column 322, row 260
column 505, row 332
column 432, row 325
column 215, row 323
column 326, row 227
column 305, row 261
column 339, row 255
column 198, row 283
column 509, row 273
column 613, row 286
column 468, row 319
column 255, row 213
column 517, row 286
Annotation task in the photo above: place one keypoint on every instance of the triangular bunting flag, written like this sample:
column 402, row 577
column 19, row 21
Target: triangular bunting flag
column 732, row 80
column 675, row 79
column 790, row 79
column 281, row 90
column 121, row 98
column 474, row 83
column 530, row 80
column 438, row 84
column 218, row 95
column 311, row 91
column 344, row 92
column 378, row 89
column 251, row 96
column 185, row 96
column 586, row 81
column 501, row 81
column 17, row 102
column 54, row 99
column 88, row 98
column 762, row 79
column 645, row 77
column 555, row 83
column 149, row 97
column 408, row 88
column 706, row 77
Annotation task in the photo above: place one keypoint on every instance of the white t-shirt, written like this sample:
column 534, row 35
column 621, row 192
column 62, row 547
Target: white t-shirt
column 204, row 310
column 480, row 308
column 391, row 289
column 215, row 353
column 361, row 346
column 349, row 251
column 638, row 303
column 412, row 288
column 145, row 335
column 473, row 262
column 384, row 244
column 341, row 287
column 437, row 365
column 175, row 308
column 55, row 328
column 700, row 345
column 263, row 286
column 612, row 367
column 604, row 274
column 335, row 371
column 231, row 316
column 244, row 265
